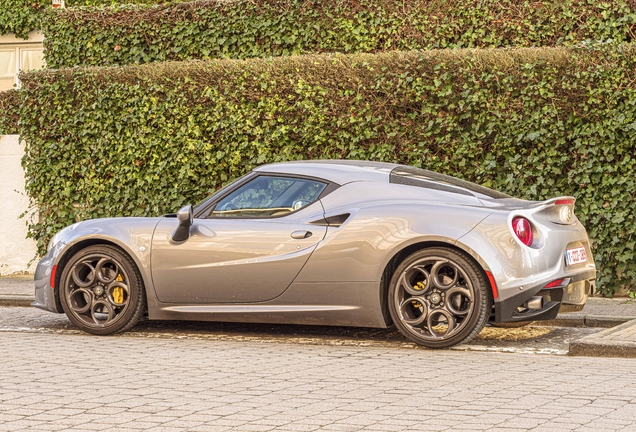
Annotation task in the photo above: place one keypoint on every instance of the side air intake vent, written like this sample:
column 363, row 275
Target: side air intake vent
column 332, row 221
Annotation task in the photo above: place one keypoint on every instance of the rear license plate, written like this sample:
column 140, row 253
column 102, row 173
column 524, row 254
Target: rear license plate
column 575, row 256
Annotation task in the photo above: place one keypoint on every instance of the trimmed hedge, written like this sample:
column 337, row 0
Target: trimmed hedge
column 534, row 123
column 261, row 28
column 10, row 109
column 100, row 3
column 21, row 16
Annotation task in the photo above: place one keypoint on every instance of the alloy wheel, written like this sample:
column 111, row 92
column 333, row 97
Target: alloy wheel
column 101, row 290
column 438, row 298
column 97, row 290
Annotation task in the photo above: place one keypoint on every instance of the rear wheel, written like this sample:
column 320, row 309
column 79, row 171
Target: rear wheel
column 438, row 298
column 101, row 290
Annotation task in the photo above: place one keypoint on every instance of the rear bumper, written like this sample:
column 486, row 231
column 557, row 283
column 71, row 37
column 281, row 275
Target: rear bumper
column 568, row 298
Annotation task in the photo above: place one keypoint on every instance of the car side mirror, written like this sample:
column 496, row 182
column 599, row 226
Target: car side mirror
column 185, row 216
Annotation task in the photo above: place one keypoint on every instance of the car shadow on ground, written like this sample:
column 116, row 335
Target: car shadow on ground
column 530, row 339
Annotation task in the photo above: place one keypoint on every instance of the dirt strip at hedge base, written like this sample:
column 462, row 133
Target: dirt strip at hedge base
column 535, row 123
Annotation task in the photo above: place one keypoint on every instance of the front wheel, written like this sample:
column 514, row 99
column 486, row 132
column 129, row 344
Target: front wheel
column 438, row 298
column 101, row 290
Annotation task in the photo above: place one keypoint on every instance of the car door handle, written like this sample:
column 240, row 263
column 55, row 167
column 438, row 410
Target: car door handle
column 301, row 234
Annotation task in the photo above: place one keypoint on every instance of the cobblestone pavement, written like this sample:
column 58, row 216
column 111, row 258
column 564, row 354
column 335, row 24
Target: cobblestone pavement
column 77, row 382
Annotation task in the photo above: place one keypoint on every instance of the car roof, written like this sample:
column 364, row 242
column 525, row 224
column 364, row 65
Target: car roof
column 347, row 171
column 337, row 171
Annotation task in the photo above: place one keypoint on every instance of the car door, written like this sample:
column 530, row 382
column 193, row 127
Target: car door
column 248, row 248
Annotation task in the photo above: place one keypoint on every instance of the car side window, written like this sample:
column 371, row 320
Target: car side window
column 268, row 196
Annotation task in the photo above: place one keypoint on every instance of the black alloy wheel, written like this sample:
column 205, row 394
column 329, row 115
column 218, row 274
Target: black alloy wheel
column 101, row 290
column 438, row 297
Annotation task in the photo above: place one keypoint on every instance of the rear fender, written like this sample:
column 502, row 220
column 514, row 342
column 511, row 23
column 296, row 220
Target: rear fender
column 360, row 249
column 516, row 267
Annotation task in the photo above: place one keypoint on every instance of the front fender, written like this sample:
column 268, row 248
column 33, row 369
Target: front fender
column 132, row 235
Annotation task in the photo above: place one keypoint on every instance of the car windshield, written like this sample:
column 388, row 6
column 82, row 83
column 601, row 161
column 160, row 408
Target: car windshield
column 431, row 180
column 225, row 186
column 267, row 196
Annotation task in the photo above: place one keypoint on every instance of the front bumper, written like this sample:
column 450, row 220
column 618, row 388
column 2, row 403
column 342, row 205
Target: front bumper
column 569, row 298
column 45, row 295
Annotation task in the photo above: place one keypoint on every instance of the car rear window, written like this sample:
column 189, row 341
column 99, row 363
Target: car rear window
column 431, row 180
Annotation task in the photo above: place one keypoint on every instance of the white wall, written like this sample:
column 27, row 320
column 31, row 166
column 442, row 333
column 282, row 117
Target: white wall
column 35, row 36
column 15, row 249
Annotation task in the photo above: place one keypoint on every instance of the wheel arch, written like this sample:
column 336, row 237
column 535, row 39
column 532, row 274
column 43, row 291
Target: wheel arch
column 73, row 248
column 402, row 254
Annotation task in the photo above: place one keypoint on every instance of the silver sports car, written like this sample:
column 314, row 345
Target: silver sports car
column 346, row 243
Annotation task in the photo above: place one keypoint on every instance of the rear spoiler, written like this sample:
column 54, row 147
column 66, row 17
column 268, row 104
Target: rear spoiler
column 564, row 200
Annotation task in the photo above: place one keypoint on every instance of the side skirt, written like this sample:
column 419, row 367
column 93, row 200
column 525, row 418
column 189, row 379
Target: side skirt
column 333, row 304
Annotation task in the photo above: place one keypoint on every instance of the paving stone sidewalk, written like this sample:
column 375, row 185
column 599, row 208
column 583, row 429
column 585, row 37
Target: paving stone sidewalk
column 619, row 341
column 16, row 291
column 76, row 382
column 599, row 312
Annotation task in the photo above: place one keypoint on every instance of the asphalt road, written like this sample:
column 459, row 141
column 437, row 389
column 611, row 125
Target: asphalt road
column 208, row 377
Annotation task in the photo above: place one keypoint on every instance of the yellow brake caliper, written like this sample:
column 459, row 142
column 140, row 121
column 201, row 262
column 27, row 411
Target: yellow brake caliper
column 418, row 286
column 118, row 292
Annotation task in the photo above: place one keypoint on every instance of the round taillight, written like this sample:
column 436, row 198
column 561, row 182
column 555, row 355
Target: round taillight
column 523, row 230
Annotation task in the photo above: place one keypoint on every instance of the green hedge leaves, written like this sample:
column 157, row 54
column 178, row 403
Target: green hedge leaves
column 10, row 112
column 102, row 3
column 261, row 28
column 535, row 123
column 21, row 16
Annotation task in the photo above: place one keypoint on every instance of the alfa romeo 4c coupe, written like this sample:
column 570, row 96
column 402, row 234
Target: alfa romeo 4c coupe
column 343, row 243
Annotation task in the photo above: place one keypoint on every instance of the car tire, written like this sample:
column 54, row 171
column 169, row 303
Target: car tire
column 101, row 290
column 439, row 297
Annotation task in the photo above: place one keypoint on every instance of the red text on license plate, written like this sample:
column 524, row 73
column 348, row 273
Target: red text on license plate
column 575, row 256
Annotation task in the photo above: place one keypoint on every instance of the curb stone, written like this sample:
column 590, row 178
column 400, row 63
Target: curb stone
column 16, row 300
column 600, row 321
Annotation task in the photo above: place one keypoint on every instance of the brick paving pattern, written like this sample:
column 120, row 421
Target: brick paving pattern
column 86, row 383
column 625, row 333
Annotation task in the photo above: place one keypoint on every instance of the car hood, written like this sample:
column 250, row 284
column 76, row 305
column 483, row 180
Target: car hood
column 123, row 228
